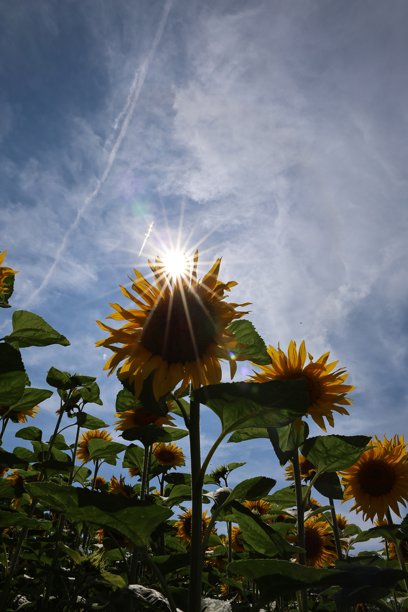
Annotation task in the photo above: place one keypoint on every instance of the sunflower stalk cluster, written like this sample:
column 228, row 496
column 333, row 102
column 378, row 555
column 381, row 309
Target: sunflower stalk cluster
column 79, row 532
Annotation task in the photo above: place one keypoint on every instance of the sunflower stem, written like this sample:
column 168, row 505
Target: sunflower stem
column 335, row 528
column 398, row 549
column 196, row 502
column 301, row 540
column 145, row 473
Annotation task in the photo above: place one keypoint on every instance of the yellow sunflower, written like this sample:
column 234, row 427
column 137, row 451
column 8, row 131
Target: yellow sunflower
column 100, row 483
column 183, row 525
column 83, row 451
column 307, row 469
column 258, row 506
column 134, row 471
column 341, row 521
column 169, row 455
column 18, row 417
column 319, row 543
column 5, row 274
column 119, row 487
column 378, row 481
column 237, row 543
column 326, row 386
column 140, row 417
column 176, row 330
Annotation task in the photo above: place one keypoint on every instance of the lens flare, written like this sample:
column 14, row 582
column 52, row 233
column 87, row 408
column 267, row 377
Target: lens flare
column 175, row 264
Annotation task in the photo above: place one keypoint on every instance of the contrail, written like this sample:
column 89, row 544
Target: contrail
column 147, row 234
column 126, row 113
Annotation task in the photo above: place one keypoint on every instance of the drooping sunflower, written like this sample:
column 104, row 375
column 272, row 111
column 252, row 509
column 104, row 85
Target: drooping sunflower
column 18, row 416
column 176, row 330
column 183, row 525
column 326, row 386
column 258, row 506
column 319, row 543
column 169, row 455
column 378, row 481
column 140, row 417
column 307, row 469
column 83, row 451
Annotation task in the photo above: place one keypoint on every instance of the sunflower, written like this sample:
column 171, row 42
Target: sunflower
column 176, row 331
column 237, row 543
column 3, row 470
column 134, row 470
column 6, row 280
column 100, row 483
column 258, row 506
column 378, row 481
column 18, row 417
column 341, row 521
column 169, row 455
column 140, row 417
column 326, row 386
column 307, row 469
column 83, row 451
column 119, row 487
column 183, row 525
column 319, row 543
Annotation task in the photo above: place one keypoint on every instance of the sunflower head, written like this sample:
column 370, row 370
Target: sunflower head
column 169, row 455
column 378, row 481
column 307, row 469
column 326, row 385
column 19, row 417
column 237, row 542
column 100, row 484
column 83, row 452
column 140, row 417
column 174, row 329
column 6, row 281
column 134, row 470
column 258, row 506
column 183, row 525
column 119, row 487
column 319, row 543
column 341, row 521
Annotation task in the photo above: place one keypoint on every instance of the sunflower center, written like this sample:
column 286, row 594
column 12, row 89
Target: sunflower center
column 166, row 456
column 180, row 328
column 313, row 544
column 376, row 477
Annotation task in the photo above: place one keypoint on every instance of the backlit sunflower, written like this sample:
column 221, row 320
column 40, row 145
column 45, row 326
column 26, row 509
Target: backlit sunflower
column 134, row 471
column 140, row 417
column 183, row 525
column 378, row 481
column 6, row 281
column 341, row 521
column 119, row 487
column 169, row 455
column 83, row 451
column 237, row 542
column 258, row 506
column 100, row 483
column 326, row 386
column 307, row 469
column 319, row 543
column 18, row 417
column 176, row 330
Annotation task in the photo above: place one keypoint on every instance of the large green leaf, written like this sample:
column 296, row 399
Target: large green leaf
column 251, row 489
column 29, row 433
column 17, row 519
column 133, row 519
column 328, row 484
column 13, row 459
column 333, row 453
column 125, row 400
column 102, row 449
column 13, row 377
column 241, row 405
column 175, row 433
column 286, row 498
column 134, row 457
column 65, row 380
column 30, row 329
column 261, row 537
column 89, row 393
column 248, row 433
column 252, row 347
column 87, row 421
column 31, row 398
column 287, row 439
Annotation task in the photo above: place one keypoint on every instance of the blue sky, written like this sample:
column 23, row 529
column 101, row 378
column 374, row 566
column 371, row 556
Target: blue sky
column 272, row 133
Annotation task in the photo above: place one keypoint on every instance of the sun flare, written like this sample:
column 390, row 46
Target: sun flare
column 175, row 263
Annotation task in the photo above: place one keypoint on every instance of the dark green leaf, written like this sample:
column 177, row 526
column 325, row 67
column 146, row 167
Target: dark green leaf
column 175, row 433
column 30, row 329
column 133, row 519
column 242, row 405
column 286, row 498
column 178, row 494
column 90, row 394
column 333, row 453
column 24, row 454
column 16, row 519
column 31, row 398
column 29, row 433
column 286, row 439
column 174, row 406
column 87, row 421
column 252, row 348
column 13, row 459
column 249, row 433
column 178, row 478
column 171, row 563
column 328, row 484
column 13, row 377
column 252, row 488
column 134, row 457
column 102, row 449
column 125, row 400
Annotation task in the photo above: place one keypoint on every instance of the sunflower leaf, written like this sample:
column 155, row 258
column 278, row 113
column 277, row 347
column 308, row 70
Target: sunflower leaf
column 87, row 421
column 251, row 346
column 332, row 453
column 29, row 433
column 287, row 439
column 251, row 488
column 249, row 433
column 13, row 377
column 104, row 449
column 241, row 405
column 30, row 398
column 328, row 484
column 30, row 329
column 133, row 519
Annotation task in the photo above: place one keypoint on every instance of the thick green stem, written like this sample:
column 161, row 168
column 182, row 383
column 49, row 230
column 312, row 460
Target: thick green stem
column 301, row 541
column 335, row 528
column 72, row 473
column 4, row 424
column 145, row 473
column 196, row 501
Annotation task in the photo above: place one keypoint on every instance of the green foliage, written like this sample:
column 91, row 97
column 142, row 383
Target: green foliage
column 13, row 378
column 30, row 329
column 251, row 489
column 286, row 440
column 103, row 449
column 333, row 453
column 29, row 433
column 251, row 346
column 87, row 421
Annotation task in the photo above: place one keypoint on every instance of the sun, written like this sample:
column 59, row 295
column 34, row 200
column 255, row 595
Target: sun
column 175, row 264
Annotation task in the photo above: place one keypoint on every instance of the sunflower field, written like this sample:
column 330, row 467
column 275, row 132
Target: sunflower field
column 175, row 538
